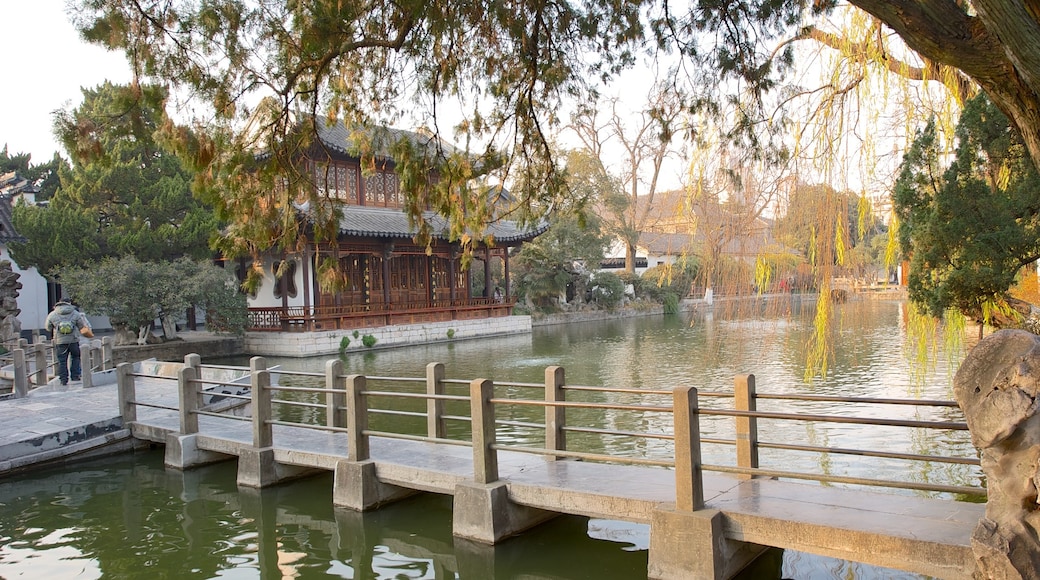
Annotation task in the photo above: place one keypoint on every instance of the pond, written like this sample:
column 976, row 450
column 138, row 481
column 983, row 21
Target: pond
column 128, row 517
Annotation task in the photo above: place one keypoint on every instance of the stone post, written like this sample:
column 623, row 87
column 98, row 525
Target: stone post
column 689, row 487
column 127, row 394
column 555, row 415
column 435, row 427
column 357, row 419
column 188, row 388
column 263, row 435
column 40, row 358
column 107, row 352
column 485, row 458
column 21, row 378
column 747, row 427
column 336, row 398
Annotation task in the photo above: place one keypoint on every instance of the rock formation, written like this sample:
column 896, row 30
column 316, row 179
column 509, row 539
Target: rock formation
column 997, row 386
column 10, row 326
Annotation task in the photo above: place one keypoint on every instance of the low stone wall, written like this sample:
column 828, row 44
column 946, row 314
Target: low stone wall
column 304, row 344
column 213, row 345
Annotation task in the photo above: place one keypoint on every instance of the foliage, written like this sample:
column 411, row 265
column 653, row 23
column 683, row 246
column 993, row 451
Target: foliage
column 671, row 303
column 451, row 333
column 564, row 255
column 125, row 194
column 368, row 340
column 44, row 175
column 133, row 293
column 606, row 290
column 344, row 344
column 968, row 229
column 675, row 279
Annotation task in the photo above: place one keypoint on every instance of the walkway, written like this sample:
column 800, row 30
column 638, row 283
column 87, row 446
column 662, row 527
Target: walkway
column 499, row 491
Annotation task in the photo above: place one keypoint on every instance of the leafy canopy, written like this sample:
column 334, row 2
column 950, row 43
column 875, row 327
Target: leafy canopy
column 970, row 228
column 125, row 193
column 133, row 293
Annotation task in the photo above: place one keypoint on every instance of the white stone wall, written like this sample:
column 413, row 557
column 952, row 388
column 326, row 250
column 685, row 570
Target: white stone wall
column 303, row 344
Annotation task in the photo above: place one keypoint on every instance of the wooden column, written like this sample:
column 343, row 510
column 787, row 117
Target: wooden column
column 505, row 274
column 487, row 272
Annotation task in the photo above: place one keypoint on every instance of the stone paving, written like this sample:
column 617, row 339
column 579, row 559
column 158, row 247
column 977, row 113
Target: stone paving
column 55, row 423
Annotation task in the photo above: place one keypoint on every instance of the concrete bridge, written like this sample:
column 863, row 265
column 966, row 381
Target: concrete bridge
column 706, row 521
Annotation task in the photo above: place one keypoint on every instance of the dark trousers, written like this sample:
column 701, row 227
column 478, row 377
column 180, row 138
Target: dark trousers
column 66, row 351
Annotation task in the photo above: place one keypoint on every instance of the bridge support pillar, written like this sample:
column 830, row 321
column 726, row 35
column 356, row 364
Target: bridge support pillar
column 258, row 468
column 692, row 545
column 484, row 513
column 182, row 452
column 357, row 487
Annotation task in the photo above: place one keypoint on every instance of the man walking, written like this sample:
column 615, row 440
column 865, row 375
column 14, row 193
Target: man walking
column 66, row 324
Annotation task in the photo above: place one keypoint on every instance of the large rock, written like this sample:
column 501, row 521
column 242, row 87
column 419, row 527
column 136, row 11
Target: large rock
column 997, row 386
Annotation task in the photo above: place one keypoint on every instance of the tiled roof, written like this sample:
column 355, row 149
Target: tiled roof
column 337, row 136
column 7, row 231
column 393, row 223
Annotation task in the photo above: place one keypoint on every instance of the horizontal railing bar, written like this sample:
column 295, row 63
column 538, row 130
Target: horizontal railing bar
column 578, row 405
column 222, row 415
column 458, row 417
column 456, row 381
column 298, row 403
column 941, row 425
column 244, row 370
column 229, row 396
column 968, row 490
column 587, row 456
column 525, row 424
column 616, row 390
column 197, row 381
column 870, row 453
column 515, row 384
column 620, row 433
column 397, row 413
column 307, row 426
column 394, row 379
column 867, row 400
column 319, row 390
column 155, row 406
column 421, row 438
column 405, row 395
column 315, row 374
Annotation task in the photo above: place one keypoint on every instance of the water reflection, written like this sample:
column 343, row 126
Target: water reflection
column 128, row 517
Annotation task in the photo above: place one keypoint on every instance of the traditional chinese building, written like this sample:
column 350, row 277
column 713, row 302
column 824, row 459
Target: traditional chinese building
column 390, row 279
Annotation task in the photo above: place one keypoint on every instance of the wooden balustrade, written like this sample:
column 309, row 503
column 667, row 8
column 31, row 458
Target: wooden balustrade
column 300, row 319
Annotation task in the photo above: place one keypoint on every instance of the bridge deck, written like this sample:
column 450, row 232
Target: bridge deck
column 927, row 536
column 922, row 535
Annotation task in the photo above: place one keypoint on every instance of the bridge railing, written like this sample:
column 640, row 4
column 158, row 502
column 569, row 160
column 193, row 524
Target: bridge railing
column 27, row 366
column 496, row 417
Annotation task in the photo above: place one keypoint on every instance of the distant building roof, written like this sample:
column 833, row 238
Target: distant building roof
column 7, row 231
column 340, row 138
column 393, row 223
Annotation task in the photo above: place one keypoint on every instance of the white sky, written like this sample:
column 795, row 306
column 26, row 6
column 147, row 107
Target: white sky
column 46, row 65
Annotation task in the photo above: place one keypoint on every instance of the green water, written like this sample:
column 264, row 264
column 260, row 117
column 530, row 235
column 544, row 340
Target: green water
column 128, row 517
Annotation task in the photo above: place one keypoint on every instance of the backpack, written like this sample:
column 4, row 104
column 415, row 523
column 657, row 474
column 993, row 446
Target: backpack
column 65, row 327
